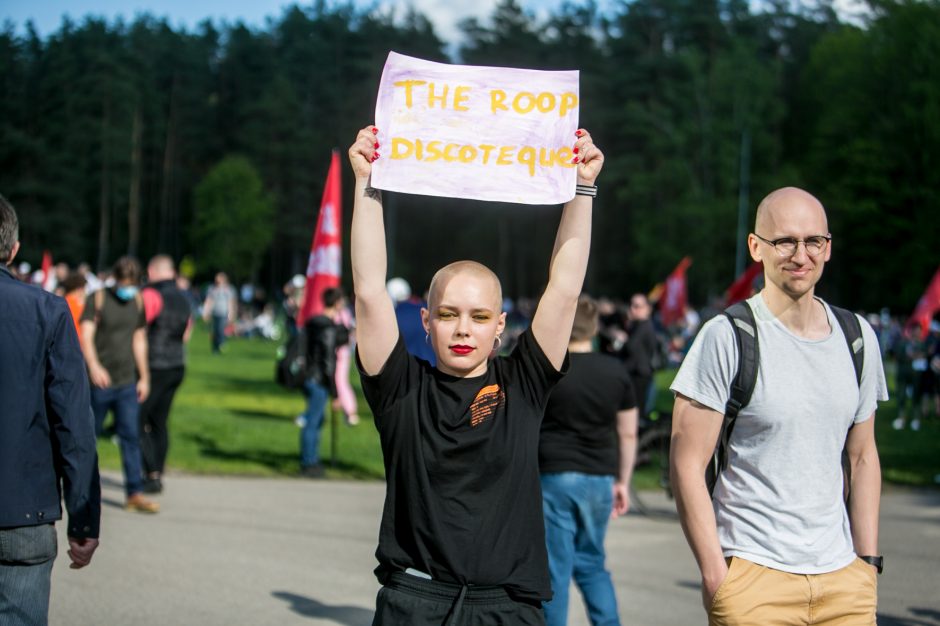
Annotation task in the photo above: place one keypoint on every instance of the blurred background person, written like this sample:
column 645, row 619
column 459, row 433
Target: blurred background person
column 169, row 324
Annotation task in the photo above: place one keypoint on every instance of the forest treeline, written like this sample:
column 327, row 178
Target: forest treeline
column 214, row 143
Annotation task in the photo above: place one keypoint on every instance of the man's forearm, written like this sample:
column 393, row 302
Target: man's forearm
column 698, row 521
column 139, row 346
column 865, row 503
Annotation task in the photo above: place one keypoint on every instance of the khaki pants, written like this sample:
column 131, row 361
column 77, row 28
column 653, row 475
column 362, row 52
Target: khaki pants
column 752, row 594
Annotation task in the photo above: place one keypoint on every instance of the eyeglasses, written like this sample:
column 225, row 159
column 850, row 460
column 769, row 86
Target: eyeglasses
column 786, row 246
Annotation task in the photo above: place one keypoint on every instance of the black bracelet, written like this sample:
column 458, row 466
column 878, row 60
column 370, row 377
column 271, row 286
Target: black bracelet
column 586, row 190
column 877, row 562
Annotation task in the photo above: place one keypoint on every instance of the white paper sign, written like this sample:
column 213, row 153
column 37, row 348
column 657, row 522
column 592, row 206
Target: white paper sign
column 484, row 133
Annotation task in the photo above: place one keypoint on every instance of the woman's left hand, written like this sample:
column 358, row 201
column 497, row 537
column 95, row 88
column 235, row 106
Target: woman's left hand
column 590, row 159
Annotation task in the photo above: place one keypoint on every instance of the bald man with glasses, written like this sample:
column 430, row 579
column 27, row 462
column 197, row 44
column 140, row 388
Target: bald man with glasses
column 775, row 542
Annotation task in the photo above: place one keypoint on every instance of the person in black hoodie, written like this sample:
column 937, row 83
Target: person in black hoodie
column 323, row 338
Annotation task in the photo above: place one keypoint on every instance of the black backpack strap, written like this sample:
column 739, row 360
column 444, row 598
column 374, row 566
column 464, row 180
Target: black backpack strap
column 744, row 327
column 852, row 330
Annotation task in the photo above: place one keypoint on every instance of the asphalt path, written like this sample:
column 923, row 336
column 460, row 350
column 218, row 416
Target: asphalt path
column 233, row 551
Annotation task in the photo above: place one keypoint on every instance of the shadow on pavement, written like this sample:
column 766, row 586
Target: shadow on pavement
column 927, row 617
column 308, row 607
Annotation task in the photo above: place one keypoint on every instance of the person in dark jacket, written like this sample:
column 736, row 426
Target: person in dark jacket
column 640, row 348
column 47, row 440
column 324, row 336
column 169, row 321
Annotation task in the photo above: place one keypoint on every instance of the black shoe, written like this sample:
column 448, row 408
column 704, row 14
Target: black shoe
column 153, row 485
column 313, row 471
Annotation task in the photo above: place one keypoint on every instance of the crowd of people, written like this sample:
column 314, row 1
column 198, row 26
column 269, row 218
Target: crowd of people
column 508, row 429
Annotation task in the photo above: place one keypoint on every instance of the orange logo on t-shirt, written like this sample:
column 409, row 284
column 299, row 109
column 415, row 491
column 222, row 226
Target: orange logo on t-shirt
column 485, row 404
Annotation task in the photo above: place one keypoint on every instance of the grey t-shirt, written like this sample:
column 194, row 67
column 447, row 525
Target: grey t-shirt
column 779, row 502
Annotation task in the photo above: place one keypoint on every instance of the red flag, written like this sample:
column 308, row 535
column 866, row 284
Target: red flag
column 674, row 298
column 928, row 304
column 326, row 251
column 47, row 271
column 743, row 286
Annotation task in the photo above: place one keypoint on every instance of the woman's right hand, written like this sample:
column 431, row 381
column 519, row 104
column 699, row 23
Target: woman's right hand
column 364, row 151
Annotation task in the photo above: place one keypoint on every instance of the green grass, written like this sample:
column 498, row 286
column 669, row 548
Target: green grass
column 229, row 417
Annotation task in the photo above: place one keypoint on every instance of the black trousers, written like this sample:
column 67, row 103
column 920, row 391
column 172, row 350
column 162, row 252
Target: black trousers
column 407, row 600
column 154, row 414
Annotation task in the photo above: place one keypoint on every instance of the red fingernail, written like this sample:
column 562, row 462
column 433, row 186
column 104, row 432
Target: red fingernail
column 375, row 131
column 575, row 150
column 377, row 155
column 376, row 146
column 577, row 133
column 374, row 157
column 576, row 159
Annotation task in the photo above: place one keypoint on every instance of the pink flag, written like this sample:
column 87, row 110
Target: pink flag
column 326, row 251
column 927, row 306
column 743, row 287
column 675, row 295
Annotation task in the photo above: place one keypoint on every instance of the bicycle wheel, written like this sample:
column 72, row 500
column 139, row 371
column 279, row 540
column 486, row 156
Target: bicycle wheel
column 651, row 473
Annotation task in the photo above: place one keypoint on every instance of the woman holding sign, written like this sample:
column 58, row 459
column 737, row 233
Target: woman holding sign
column 462, row 538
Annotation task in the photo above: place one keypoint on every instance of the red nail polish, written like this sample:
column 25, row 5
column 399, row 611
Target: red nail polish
column 575, row 160
column 374, row 157
column 575, row 150
column 375, row 131
column 376, row 146
column 577, row 133
column 377, row 155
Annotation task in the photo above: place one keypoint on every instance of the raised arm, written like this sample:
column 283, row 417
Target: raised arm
column 376, row 327
column 554, row 316
column 695, row 430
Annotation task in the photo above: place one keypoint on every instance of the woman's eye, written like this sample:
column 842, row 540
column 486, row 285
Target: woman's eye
column 444, row 315
column 481, row 318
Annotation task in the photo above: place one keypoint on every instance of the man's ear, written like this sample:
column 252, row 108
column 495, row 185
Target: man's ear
column 753, row 246
column 16, row 248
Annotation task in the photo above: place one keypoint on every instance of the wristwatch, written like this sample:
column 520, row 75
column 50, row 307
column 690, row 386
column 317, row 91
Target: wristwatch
column 876, row 561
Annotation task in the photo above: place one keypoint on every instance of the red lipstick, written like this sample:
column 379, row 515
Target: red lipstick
column 461, row 349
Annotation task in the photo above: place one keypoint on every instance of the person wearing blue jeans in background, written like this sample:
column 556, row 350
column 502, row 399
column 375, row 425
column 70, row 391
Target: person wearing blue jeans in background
column 587, row 447
column 220, row 306
column 114, row 341
column 323, row 338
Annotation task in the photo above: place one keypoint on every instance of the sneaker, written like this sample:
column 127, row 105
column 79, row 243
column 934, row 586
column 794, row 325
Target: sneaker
column 915, row 424
column 139, row 504
column 313, row 471
column 153, row 485
column 898, row 423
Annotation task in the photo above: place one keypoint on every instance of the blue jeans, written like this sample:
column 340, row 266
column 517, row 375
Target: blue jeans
column 310, row 434
column 26, row 557
column 219, row 322
column 123, row 402
column 577, row 507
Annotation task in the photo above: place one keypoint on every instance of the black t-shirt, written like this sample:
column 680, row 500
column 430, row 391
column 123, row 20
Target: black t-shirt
column 579, row 432
column 463, row 501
